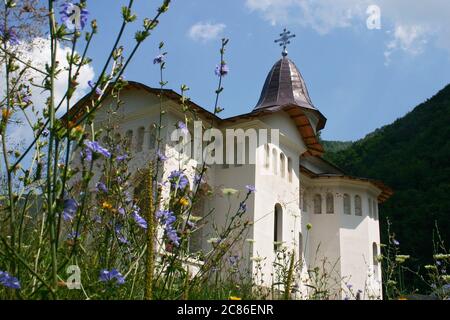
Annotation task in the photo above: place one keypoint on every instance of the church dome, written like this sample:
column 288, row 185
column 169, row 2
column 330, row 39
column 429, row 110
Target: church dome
column 285, row 86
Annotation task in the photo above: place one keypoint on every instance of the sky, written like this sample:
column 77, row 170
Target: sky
column 359, row 78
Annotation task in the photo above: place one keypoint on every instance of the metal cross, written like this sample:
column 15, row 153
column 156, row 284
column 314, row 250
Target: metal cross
column 285, row 40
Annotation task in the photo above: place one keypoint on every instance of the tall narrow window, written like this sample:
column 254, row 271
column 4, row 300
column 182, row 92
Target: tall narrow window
column 290, row 169
column 140, row 139
column 266, row 155
column 282, row 165
column 274, row 161
column 375, row 209
column 129, row 138
column 317, row 204
column 375, row 259
column 347, row 204
column 370, row 208
column 358, row 209
column 330, row 203
column 278, row 227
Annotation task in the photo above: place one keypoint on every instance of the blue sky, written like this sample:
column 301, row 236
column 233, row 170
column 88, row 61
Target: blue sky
column 360, row 79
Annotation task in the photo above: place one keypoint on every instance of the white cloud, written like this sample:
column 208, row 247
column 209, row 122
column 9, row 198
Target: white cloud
column 38, row 53
column 205, row 31
column 411, row 25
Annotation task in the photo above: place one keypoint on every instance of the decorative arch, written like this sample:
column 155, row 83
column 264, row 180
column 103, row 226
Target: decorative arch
column 358, row 206
column 317, row 204
column 347, row 204
column 330, row 203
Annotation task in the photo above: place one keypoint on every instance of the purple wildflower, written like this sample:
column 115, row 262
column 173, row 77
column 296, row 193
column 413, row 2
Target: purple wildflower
column 137, row 218
column 73, row 16
column 9, row 281
column 250, row 188
column 9, row 35
column 167, row 218
column 122, row 157
column 120, row 236
column 222, row 69
column 178, row 178
column 101, row 187
column 121, row 211
column 161, row 156
column 73, row 235
column 183, row 127
column 70, row 207
column 199, row 179
column 159, row 59
column 396, row 242
column 94, row 146
column 243, row 207
column 107, row 276
column 98, row 91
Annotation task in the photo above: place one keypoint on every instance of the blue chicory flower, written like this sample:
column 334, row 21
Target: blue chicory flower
column 101, row 187
column 137, row 218
column 98, row 91
column 9, row 35
column 114, row 274
column 222, row 70
column 159, row 59
column 250, row 188
column 73, row 16
column 178, row 178
column 69, row 210
column 9, row 281
column 94, row 147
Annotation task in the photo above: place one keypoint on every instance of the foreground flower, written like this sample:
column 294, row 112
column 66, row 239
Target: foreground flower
column 98, row 91
column 159, row 59
column 9, row 281
column 309, row 226
column 70, row 207
column 9, row 36
column 222, row 70
column 178, row 179
column 234, row 298
column 93, row 147
column 101, row 187
column 73, row 17
column 250, row 188
column 161, row 156
column 184, row 202
column 183, row 127
column 107, row 276
column 137, row 217
column 168, row 219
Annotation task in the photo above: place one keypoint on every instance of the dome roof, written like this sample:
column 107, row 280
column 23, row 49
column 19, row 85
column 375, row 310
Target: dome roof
column 285, row 86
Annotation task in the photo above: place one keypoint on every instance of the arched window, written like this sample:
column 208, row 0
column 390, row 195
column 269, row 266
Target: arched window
column 266, row 155
column 140, row 139
column 330, row 203
column 317, row 204
column 129, row 138
column 278, row 226
column 347, row 204
column 304, row 202
column 370, row 208
column 375, row 259
column 358, row 209
column 375, row 209
column 282, row 165
column 290, row 169
column 274, row 161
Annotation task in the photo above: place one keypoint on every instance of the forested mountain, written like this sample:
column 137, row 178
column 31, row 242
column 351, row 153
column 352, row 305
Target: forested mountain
column 412, row 156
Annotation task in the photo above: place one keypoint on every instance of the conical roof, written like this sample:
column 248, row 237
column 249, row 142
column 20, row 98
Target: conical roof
column 285, row 86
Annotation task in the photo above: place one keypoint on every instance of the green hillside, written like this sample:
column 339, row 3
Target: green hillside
column 411, row 155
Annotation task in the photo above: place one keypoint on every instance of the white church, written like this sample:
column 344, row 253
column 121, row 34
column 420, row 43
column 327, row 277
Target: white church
column 301, row 201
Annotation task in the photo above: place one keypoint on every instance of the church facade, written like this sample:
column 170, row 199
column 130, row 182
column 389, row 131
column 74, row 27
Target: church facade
column 302, row 202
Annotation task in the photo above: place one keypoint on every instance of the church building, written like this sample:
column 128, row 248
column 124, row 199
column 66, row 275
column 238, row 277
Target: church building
column 301, row 201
